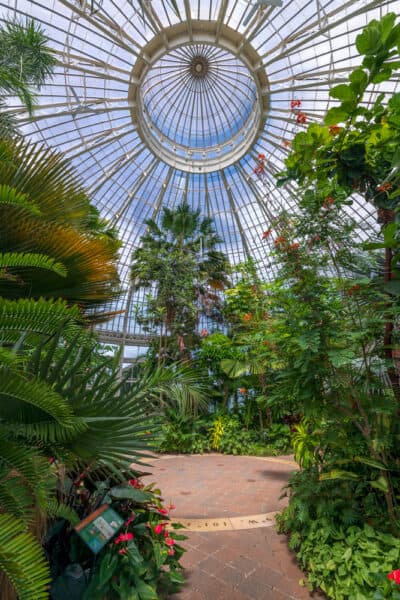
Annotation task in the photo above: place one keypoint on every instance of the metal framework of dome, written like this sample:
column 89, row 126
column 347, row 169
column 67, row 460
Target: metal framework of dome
column 157, row 101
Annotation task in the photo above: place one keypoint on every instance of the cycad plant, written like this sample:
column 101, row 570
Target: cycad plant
column 179, row 262
column 50, row 243
column 66, row 414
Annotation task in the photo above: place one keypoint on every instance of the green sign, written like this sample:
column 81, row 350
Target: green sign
column 99, row 527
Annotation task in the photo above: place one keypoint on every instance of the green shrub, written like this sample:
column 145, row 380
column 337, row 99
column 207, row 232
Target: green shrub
column 348, row 563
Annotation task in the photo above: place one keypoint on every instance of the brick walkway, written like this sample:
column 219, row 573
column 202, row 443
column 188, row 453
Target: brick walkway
column 247, row 564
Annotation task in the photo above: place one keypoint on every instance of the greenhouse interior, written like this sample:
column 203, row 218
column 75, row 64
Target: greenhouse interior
column 199, row 299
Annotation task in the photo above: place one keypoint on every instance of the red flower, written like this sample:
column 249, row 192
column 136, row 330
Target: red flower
column 129, row 521
column 294, row 246
column 259, row 170
column 279, row 240
column 162, row 511
column 136, row 484
column 172, row 507
column 295, row 104
column 286, row 143
column 169, row 541
column 204, row 333
column 261, row 157
column 301, row 118
column 385, row 187
column 247, row 317
column 159, row 528
column 334, row 129
column 395, row 576
column 328, row 201
column 171, row 552
column 122, row 551
column 266, row 234
column 166, row 533
column 123, row 537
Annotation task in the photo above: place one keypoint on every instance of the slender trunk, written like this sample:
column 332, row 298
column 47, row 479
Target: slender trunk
column 388, row 334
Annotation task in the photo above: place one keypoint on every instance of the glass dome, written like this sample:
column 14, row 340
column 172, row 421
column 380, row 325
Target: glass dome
column 164, row 100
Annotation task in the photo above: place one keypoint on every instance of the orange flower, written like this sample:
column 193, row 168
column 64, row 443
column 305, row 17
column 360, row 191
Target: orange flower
column 266, row 234
column 286, row 143
column 204, row 333
column 242, row 390
column 334, row 129
column 384, row 187
column 294, row 246
column 247, row 317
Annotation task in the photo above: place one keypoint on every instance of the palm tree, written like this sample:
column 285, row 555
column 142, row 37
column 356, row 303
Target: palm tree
column 26, row 62
column 179, row 262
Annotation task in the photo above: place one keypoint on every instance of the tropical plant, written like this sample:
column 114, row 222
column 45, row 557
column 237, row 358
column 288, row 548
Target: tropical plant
column 179, row 262
column 26, row 63
column 49, row 243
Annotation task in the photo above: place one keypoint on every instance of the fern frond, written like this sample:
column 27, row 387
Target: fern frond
column 22, row 560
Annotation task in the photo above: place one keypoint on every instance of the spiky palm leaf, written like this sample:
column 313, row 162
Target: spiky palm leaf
column 45, row 210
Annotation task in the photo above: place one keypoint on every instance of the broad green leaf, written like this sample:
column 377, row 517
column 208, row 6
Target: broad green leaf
column 343, row 92
column 339, row 474
column 129, row 493
column 370, row 462
column 369, row 41
column 380, row 484
column 336, row 115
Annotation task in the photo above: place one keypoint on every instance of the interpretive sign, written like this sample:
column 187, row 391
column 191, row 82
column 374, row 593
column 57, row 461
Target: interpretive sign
column 99, row 527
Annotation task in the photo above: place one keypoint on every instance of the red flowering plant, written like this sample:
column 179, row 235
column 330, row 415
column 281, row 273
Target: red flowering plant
column 144, row 555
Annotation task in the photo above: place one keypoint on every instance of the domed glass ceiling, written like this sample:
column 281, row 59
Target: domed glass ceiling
column 156, row 101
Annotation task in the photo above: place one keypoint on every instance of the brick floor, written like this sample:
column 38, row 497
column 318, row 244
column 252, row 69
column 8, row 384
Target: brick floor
column 250, row 564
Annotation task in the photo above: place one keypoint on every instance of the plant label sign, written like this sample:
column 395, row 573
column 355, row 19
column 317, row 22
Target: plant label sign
column 99, row 527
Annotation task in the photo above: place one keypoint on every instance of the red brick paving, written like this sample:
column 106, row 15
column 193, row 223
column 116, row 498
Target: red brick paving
column 211, row 485
column 251, row 564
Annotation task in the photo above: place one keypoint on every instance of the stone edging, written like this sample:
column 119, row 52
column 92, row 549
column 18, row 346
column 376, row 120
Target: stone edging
column 228, row 523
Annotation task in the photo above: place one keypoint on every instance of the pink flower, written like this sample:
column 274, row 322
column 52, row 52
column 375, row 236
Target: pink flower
column 171, row 552
column 169, row 541
column 122, row 551
column 395, row 576
column 172, row 507
column 125, row 537
column 162, row 511
column 129, row 521
column 204, row 333
column 159, row 529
